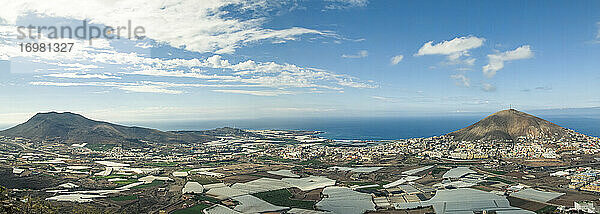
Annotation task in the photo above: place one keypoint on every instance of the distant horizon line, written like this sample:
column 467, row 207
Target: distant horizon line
column 339, row 124
column 396, row 115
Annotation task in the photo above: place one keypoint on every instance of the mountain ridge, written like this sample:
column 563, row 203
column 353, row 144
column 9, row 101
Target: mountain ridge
column 70, row 127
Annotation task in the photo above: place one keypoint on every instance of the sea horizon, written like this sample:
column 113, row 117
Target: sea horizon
column 363, row 128
column 357, row 128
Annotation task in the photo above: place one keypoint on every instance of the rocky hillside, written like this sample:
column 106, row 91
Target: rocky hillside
column 73, row 128
column 509, row 125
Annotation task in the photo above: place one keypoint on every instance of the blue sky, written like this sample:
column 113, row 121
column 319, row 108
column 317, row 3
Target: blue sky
column 236, row 59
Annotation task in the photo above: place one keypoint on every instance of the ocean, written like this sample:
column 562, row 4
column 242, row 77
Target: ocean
column 361, row 128
column 367, row 128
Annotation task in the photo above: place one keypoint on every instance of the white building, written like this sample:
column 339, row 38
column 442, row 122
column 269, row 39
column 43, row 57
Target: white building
column 585, row 206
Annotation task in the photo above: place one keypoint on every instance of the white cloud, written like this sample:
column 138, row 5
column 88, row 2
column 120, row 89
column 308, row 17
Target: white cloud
column 304, row 110
column 360, row 54
column 75, row 66
column 468, row 61
column 598, row 33
column 217, row 62
column 496, row 61
column 247, row 65
column 63, row 84
column 193, row 73
column 149, row 89
column 345, row 4
column 169, row 88
column 83, row 76
column 145, row 87
column 543, row 88
column 488, row 87
column 90, row 60
column 385, row 99
column 457, row 45
column 254, row 92
column 454, row 49
column 143, row 45
column 199, row 26
column 142, row 86
column 396, row 59
column 462, row 80
column 353, row 84
column 109, row 84
column 93, row 59
column 247, row 73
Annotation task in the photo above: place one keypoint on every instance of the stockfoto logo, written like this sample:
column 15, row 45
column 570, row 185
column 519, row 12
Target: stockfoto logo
column 84, row 31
